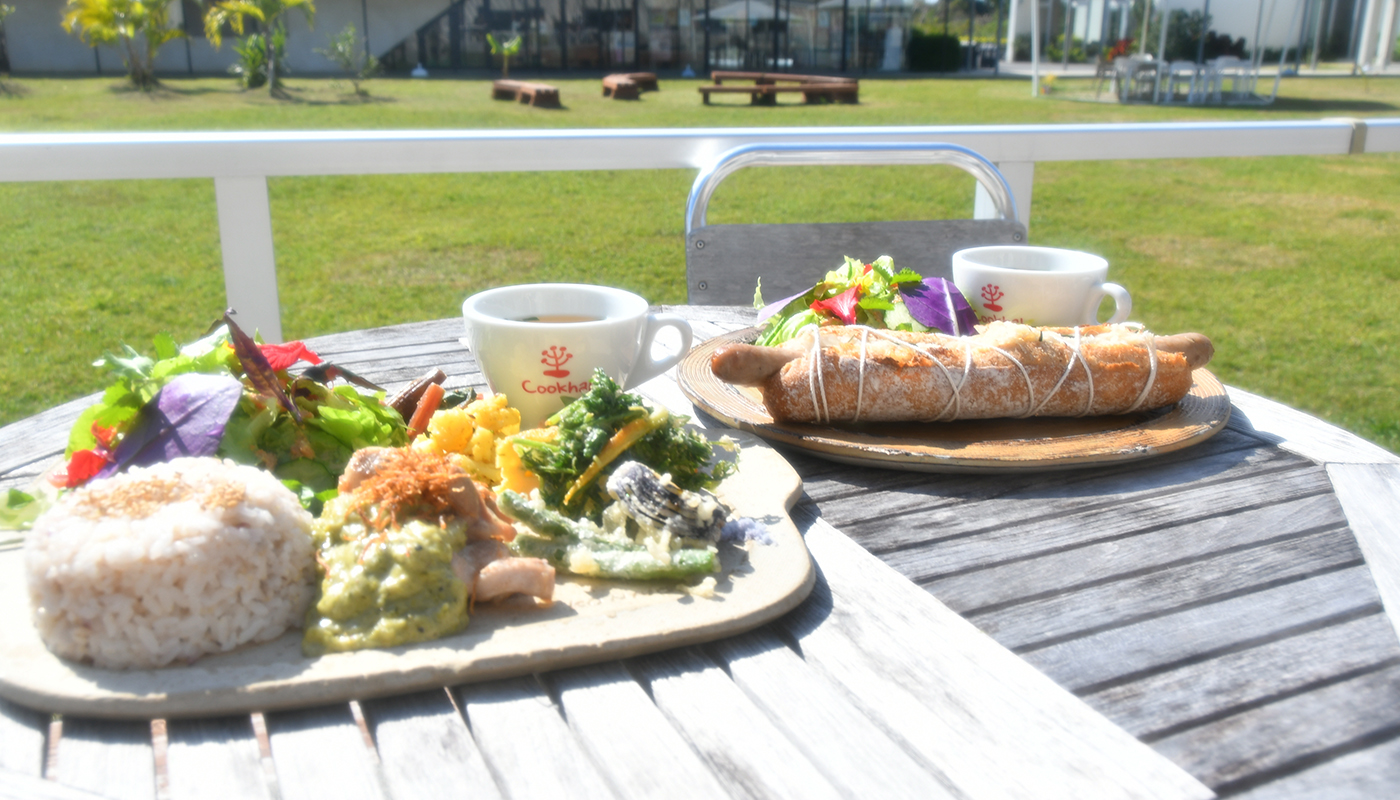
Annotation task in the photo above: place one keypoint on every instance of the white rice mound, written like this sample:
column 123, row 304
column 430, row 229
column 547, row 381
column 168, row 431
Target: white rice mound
column 169, row 563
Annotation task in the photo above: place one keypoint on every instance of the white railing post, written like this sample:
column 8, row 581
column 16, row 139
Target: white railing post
column 250, row 268
column 1020, row 176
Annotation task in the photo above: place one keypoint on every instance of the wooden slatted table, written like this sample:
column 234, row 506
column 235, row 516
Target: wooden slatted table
column 1219, row 612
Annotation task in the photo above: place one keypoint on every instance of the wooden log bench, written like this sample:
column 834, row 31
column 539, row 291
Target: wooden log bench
column 541, row 95
column 646, row 81
column 629, row 85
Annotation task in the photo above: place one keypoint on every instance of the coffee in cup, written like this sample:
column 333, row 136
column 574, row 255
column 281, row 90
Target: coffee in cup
column 1043, row 286
column 538, row 344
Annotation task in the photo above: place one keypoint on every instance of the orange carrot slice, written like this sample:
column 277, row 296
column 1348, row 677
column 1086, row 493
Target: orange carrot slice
column 432, row 398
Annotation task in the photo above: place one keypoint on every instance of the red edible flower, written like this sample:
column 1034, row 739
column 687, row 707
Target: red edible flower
column 281, row 356
column 83, row 466
column 842, row 305
column 104, row 435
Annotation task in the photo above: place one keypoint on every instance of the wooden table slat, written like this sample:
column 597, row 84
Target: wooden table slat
column 628, row 737
column 320, row 752
column 22, row 739
column 746, row 751
column 986, row 720
column 1199, row 691
column 1044, row 574
column 1064, row 527
column 405, row 336
column 529, row 748
column 863, row 760
column 1161, row 643
column 215, row 758
column 425, row 747
column 1301, row 433
column 1167, row 591
column 1001, row 505
column 1339, row 718
column 1359, row 775
column 1370, row 498
column 107, row 757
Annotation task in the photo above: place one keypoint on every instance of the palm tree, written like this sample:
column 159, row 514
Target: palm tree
column 130, row 22
column 5, row 11
column 267, row 12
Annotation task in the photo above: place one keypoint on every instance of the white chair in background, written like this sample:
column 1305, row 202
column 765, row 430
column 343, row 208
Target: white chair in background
column 1186, row 73
column 1137, row 78
column 1238, row 72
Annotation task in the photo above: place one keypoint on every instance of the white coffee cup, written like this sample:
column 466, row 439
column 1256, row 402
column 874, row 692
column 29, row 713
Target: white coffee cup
column 1037, row 285
column 539, row 343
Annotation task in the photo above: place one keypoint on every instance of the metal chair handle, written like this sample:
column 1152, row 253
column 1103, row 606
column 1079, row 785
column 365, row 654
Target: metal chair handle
column 884, row 153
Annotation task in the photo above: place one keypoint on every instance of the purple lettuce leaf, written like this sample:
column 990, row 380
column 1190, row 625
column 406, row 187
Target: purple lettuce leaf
column 938, row 305
column 255, row 365
column 773, row 308
column 186, row 418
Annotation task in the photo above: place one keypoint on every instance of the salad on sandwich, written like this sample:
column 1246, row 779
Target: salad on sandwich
column 875, row 295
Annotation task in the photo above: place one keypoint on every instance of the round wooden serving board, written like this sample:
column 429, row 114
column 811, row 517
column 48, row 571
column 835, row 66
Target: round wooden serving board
column 994, row 445
column 590, row 621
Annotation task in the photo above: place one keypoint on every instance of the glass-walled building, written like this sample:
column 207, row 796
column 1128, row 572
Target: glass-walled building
column 620, row 35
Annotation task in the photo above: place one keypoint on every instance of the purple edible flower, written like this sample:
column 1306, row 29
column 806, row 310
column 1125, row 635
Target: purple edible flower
column 938, row 305
column 773, row 308
column 745, row 529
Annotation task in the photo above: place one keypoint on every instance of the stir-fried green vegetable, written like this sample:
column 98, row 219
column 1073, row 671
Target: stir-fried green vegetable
column 597, row 428
column 583, row 548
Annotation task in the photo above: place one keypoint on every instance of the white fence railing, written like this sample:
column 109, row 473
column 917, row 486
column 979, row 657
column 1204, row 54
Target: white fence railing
column 240, row 163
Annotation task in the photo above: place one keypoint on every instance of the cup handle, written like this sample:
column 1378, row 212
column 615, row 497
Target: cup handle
column 647, row 367
column 1122, row 304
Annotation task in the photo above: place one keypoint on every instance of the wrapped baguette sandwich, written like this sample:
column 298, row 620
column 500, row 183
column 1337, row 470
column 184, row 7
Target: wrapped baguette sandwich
column 854, row 373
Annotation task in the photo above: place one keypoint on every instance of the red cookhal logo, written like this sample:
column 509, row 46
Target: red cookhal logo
column 990, row 295
column 556, row 357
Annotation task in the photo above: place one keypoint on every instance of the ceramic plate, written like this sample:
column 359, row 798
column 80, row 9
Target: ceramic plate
column 590, row 621
column 997, row 445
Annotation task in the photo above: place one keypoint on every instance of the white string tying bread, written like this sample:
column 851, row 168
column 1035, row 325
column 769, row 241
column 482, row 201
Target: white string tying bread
column 1077, row 355
column 816, row 378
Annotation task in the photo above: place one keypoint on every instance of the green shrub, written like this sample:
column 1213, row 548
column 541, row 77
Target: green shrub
column 344, row 49
column 1055, row 51
column 251, row 66
column 933, row 52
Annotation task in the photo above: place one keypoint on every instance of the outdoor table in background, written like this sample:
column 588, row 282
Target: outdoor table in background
column 1225, row 604
column 763, row 88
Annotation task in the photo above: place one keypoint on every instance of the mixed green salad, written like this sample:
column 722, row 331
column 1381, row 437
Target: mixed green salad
column 875, row 295
column 229, row 396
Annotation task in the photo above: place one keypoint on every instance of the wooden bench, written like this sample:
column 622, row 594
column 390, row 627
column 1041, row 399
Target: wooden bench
column 541, row 95
column 766, row 86
column 629, row 85
column 720, row 76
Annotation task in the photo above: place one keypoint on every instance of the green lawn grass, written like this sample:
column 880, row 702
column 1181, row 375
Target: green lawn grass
column 1289, row 264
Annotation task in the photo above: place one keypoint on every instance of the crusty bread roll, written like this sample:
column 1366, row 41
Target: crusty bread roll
column 855, row 374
